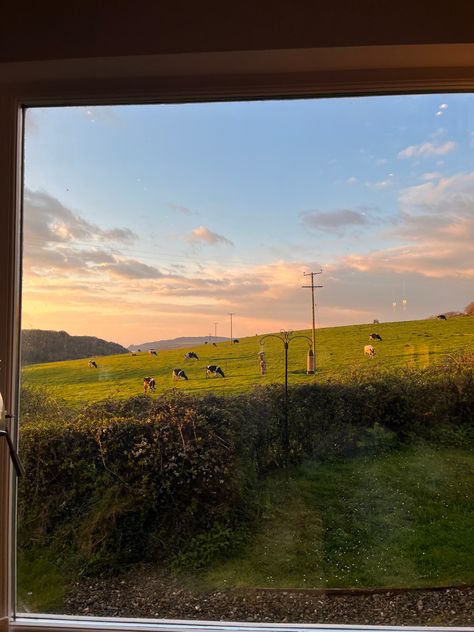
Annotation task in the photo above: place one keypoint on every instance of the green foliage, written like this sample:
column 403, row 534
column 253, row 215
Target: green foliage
column 203, row 550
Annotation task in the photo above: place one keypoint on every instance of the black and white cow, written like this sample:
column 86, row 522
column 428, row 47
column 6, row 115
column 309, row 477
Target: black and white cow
column 92, row 364
column 441, row 317
column 152, row 352
column 375, row 337
column 179, row 374
column 191, row 356
column 148, row 384
column 214, row 370
column 236, row 341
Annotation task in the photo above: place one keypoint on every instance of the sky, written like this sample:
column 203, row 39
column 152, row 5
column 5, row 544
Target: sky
column 149, row 222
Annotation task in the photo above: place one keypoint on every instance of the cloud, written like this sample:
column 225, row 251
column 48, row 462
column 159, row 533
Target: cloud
column 352, row 180
column 334, row 221
column 201, row 234
column 60, row 243
column 427, row 149
column 430, row 175
column 180, row 209
column 48, row 220
column 381, row 184
column 131, row 269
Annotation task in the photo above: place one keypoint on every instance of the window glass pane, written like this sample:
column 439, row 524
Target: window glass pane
column 194, row 448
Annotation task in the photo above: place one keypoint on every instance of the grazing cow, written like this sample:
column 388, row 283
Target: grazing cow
column 148, row 383
column 179, row 374
column 375, row 337
column 152, row 352
column 133, row 355
column 441, row 317
column 236, row 341
column 214, row 344
column 191, row 356
column 92, row 364
column 369, row 351
column 214, row 370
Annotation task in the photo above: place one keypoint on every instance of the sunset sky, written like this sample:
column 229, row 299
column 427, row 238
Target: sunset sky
column 151, row 222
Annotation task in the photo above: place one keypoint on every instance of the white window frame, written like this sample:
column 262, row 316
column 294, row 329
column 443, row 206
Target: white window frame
column 350, row 71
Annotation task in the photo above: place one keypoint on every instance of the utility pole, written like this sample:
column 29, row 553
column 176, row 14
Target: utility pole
column 311, row 353
column 215, row 330
column 231, row 338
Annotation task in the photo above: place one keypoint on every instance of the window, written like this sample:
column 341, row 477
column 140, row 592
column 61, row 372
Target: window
column 348, row 176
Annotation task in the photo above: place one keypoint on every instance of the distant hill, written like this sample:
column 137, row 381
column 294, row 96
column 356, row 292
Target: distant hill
column 38, row 346
column 176, row 343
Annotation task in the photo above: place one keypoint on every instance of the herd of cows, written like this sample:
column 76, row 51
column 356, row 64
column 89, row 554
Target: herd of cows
column 215, row 370
column 149, row 383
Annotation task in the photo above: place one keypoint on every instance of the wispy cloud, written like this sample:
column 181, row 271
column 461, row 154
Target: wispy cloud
column 427, row 149
column 334, row 221
column 203, row 235
column 180, row 209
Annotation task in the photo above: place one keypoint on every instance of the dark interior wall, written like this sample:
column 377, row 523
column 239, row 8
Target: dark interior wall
column 43, row 29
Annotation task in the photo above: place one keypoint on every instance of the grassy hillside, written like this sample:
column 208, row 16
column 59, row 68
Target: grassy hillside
column 338, row 350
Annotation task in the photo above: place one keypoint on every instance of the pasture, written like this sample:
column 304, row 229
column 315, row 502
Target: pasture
column 339, row 351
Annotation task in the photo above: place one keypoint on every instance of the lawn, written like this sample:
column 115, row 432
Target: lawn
column 400, row 520
column 338, row 350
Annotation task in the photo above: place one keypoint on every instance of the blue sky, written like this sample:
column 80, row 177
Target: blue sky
column 182, row 213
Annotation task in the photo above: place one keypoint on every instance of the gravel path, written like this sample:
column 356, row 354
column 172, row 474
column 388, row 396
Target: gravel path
column 145, row 592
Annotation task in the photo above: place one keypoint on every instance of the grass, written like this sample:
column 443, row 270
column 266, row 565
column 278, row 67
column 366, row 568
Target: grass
column 398, row 520
column 42, row 582
column 338, row 350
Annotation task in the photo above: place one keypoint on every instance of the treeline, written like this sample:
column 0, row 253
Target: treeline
column 175, row 479
column 38, row 345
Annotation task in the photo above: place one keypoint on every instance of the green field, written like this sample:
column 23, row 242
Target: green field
column 338, row 350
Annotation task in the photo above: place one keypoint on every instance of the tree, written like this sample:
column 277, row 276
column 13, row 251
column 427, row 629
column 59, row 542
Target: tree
column 469, row 310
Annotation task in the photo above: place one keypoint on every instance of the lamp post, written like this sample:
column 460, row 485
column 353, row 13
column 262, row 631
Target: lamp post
column 286, row 337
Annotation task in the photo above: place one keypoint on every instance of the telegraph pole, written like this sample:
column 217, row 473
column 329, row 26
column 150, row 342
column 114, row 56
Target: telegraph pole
column 215, row 330
column 311, row 360
column 231, row 338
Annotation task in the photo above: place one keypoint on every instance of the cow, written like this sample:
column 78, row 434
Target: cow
column 236, row 341
column 152, row 352
column 441, row 317
column 191, row 356
column 375, row 337
column 375, row 322
column 148, row 384
column 92, row 364
column 178, row 374
column 214, row 344
column 133, row 355
column 214, row 370
column 369, row 351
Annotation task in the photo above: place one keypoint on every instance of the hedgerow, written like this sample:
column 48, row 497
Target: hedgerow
column 170, row 479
